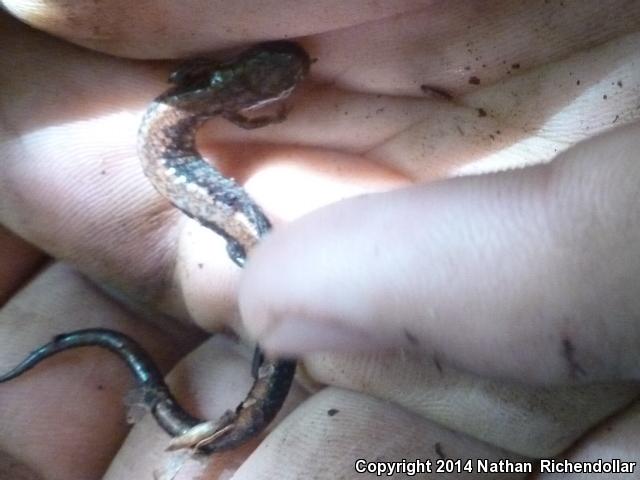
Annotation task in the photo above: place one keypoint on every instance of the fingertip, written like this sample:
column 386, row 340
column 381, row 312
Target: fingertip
column 303, row 287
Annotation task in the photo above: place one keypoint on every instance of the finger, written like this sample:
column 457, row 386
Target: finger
column 528, row 420
column 327, row 434
column 522, row 274
column 614, row 445
column 166, row 29
column 66, row 418
column 67, row 186
column 208, row 382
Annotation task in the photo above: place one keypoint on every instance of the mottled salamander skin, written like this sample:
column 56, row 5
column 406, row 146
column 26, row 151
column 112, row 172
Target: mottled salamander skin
column 204, row 89
column 265, row 74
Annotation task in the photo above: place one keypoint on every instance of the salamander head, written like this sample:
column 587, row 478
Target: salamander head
column 263, row 74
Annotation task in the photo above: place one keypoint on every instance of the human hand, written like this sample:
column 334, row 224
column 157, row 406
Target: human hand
column 100, row 178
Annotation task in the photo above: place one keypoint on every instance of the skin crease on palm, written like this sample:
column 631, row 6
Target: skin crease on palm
column 502, row 297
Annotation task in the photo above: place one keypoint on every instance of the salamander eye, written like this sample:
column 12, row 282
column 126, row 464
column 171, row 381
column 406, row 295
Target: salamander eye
column 193, row 71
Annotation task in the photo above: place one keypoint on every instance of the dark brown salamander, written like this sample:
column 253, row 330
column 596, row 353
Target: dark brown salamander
column 203, row 89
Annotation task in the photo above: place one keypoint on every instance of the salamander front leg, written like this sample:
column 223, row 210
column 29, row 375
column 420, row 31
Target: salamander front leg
column 249, row 123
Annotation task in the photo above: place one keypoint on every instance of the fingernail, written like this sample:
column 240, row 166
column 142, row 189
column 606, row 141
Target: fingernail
column 296, row 337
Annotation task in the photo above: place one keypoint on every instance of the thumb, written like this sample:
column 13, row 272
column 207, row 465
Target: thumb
column 529, row 274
